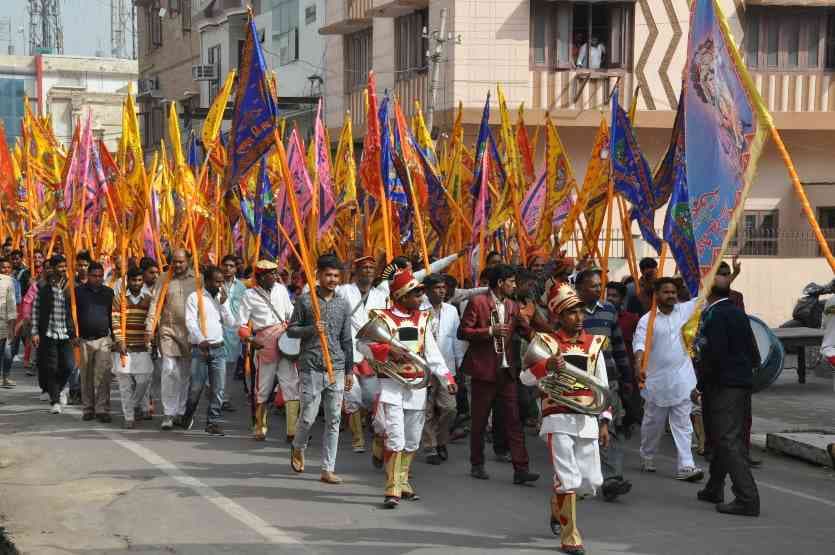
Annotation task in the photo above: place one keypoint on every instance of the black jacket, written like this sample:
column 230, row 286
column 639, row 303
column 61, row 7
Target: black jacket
column 45, row 300
column 729, row 352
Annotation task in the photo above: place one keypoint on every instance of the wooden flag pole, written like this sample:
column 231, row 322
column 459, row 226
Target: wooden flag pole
column 304, row 252
column 610, row 201
column 642, row 374
column 801, row 194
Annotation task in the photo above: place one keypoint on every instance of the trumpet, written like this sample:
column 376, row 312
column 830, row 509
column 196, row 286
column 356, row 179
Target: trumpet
column 498, row 340
column 377, row 330
column 555, row 385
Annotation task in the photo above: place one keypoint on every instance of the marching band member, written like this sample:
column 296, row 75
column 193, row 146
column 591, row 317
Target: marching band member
column 401, row 411
column 335, row 323
column 441, row 406
column 572, row 437
column 267, row 306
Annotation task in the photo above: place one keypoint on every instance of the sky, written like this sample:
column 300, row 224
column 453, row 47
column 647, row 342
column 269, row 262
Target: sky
column 86, row 25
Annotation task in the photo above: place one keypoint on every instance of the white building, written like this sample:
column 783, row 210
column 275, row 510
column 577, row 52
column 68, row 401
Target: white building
column 66, row 87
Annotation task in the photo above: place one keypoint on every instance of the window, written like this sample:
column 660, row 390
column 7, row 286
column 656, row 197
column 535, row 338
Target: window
column 560, row 29
column 154, row 28
column 758, row 233
column 789, row 39
column 286, row 30
column 185, row 16
column 310, row 15
column 409, row 45
column 213, row 59
column 357, row 59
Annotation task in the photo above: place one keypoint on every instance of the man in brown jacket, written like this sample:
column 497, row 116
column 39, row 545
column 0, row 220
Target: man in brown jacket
column 173, row 338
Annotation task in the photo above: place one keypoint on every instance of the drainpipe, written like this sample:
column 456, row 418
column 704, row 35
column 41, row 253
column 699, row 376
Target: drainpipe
column 39, row 82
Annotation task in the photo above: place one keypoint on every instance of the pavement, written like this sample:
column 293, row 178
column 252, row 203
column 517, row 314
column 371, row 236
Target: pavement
column 73, row 487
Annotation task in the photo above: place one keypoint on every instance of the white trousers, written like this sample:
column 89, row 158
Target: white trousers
column 288, row 379
column 132, row 388
column 576, row 463
column 402, row 428
column 176, row 377
column 362, row 394
column 652, row 428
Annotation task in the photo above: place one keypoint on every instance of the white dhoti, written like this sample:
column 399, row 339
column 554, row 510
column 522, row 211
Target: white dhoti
column 176, row 377
column 363, row 394
column 652, row 428
column 134, row 380
column 576, row 462
column 288, row 379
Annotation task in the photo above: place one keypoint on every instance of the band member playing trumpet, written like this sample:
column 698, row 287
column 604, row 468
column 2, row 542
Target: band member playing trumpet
column 265, row 310
column 571, row 434
column 488, row 323
column 402, row 364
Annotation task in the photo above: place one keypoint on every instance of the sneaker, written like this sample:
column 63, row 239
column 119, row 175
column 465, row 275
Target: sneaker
column 63, row 397
column 690, row 474
column 647, row 465
column 7, row 382
column 44, row 396
column 187, row 422
column 167, row 424
column 56, row 408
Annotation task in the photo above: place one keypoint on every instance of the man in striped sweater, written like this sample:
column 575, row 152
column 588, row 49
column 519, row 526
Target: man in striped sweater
column 132, row 360
column 601, row 318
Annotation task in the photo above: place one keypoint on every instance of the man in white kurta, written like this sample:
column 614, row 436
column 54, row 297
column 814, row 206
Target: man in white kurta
column 572, row 437
column 670, row 379
column 265, row 310
column 401, row 410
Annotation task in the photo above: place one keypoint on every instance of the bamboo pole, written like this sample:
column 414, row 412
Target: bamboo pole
column 642, row 375
column 610, row 201
column 304, row 252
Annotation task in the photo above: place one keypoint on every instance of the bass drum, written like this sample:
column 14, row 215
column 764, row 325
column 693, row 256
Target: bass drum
column 772, row 354
column 289, row 347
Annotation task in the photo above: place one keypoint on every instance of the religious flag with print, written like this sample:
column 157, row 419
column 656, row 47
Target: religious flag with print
column 725, row 127
column 631, row 174
column 255, row 114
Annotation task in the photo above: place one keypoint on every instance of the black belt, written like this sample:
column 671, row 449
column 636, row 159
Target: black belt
column 93, row 338
column 211, row 345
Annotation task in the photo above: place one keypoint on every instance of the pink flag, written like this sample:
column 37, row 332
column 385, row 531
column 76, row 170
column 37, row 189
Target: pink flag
column 304, row 195
column 327, row 206
column 533, row 205
column 480, row 212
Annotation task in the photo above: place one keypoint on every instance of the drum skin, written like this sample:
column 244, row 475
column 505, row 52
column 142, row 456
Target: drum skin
column 289, row 347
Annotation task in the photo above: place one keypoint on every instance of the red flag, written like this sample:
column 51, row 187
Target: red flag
column 371, row 147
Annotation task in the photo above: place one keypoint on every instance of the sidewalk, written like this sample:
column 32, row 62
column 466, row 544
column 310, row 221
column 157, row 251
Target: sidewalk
column 795, row 419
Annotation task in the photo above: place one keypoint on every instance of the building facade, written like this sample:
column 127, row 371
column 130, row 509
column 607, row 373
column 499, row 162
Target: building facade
column 66, row 88
column 547, row 54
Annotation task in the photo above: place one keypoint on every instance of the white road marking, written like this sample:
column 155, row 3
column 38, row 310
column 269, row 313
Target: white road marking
column 254, row 522
column 766, row 485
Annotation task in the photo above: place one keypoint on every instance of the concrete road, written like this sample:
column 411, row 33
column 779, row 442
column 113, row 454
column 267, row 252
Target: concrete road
column 68, row 486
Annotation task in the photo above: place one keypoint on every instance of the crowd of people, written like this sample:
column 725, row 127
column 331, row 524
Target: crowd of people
column 460, row 362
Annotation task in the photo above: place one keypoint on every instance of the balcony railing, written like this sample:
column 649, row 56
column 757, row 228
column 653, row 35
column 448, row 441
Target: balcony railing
column 406, row 91
column 347, row 16
column 796, row 91
column 579, row 89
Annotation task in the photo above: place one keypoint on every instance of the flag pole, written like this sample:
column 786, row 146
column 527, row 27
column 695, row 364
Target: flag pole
column 801, row 194
column 642, row 374
column 304, row 252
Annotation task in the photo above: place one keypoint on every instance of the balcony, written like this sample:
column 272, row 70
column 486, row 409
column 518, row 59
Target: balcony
column 579, row 90
column 396, row 8
column 347, row 16
column 406, row 91
column 807, row 95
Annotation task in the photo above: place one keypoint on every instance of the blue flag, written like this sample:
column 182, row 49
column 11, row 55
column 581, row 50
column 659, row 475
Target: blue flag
column 631, row 174
column 265, row 217
column 439, row 214
column 665, row 177
column 255, row 113
column 193, row 155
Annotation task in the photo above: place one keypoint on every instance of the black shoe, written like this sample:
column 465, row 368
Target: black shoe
column 227, row 407
column 523, row 476
column 104, row 418
column 187, row 421
column 736, row 507
column 442, row 452
column 613, row 487
column 178, row 421
column 477, row 471
column 753, row 463
column 434, row 459
column 88, row 416
column 376, row 462
column 214, row 430
column 710, row 496
column 391, row 502
column 573, row 550
column 411, row 496
column 555, row 526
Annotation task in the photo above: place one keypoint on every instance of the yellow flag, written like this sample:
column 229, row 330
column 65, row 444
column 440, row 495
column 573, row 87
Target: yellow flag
column 560, row 180
column 345, row 171
column 214, row 119
column 131, row 159
column 422, row 135
column 592, row 198
column 174, row 136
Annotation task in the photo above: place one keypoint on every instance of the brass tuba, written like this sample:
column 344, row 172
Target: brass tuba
column 556, row 384
column 377, row 330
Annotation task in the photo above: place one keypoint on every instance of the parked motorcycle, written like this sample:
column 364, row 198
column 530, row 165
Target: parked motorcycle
column 808, row 311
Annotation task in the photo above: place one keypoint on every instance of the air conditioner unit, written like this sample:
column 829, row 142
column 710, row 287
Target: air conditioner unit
column 203, row 73
column 148, row 86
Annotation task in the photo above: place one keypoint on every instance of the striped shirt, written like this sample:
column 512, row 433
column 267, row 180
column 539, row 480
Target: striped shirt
column 136, row 313
column 602, row 319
